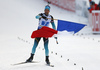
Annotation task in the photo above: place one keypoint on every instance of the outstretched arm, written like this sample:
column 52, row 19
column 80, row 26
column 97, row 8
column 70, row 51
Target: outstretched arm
column 53, row 25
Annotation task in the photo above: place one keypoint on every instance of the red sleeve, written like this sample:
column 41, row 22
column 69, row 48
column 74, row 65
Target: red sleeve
column 96, row 6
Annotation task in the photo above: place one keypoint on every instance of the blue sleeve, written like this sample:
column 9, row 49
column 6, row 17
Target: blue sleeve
column 38, row 16
column 53, row 25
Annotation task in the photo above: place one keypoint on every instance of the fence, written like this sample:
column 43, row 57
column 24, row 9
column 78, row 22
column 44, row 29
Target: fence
column 77, row 6
column 94, row 21
column 65, row 4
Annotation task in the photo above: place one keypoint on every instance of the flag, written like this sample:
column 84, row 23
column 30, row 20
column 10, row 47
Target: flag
column 44, row 32
column 69, row 26
column 64, row 28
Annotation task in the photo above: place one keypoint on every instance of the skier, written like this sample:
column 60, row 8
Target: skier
column 98, row 7
column 92, row 7
column 43, row 21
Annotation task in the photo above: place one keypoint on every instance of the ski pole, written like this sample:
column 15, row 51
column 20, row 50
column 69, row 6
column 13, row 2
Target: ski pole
column 50, row 18
column 53, row 19
column 56, row 41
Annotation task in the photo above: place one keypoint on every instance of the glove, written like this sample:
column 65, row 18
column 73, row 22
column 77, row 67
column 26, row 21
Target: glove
column 55, row 37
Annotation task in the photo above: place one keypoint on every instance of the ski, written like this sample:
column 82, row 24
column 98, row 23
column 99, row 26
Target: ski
column 24, row 63
column 50, row 65
column 30, row 62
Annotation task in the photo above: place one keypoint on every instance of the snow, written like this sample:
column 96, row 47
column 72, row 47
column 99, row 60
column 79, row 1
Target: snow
column 17, row 21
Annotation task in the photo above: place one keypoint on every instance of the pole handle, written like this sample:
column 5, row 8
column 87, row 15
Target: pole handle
column 51, row 18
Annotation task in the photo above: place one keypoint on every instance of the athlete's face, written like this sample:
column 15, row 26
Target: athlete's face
column 46, row 11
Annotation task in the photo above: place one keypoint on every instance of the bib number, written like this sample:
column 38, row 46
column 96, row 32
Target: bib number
column 44, row 23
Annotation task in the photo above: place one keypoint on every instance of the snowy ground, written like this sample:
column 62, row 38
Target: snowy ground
column 17, row 21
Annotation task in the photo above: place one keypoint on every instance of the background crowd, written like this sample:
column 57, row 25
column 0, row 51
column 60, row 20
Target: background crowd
column 93, row 6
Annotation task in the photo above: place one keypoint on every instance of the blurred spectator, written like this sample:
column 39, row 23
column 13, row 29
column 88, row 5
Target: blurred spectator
column 93, row 6
column 98, row 7
column 90, row 0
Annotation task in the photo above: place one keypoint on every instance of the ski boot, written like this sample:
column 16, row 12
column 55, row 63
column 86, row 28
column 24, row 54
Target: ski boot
column 47, row 60
column 31, row 58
